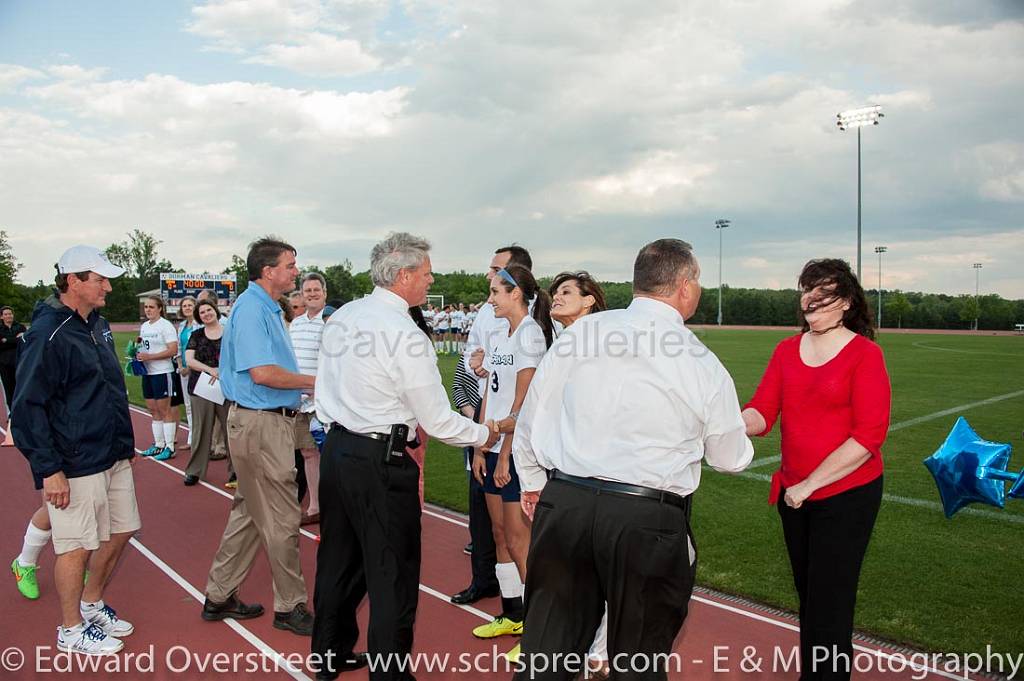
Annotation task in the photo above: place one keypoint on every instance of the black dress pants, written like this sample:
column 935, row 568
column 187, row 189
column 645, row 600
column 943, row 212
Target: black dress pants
column 7, row 376
column 480, row 533
column 587, row 548
column 826, row 541
column 300, row 475
column 369, row 546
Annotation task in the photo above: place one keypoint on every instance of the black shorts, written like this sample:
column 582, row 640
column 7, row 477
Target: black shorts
column 509, row 492
column 157, row 386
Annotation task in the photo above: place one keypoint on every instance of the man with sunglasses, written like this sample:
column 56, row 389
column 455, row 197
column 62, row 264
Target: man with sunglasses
column 72, row 424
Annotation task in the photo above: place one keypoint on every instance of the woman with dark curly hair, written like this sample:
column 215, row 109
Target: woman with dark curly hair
column 832, row 389
column 573, row 295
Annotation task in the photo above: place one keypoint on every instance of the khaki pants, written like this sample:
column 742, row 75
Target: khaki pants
column 264, row 509
column 207, row 418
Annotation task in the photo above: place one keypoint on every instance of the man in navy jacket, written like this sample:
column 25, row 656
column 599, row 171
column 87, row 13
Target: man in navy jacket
column 71, row 421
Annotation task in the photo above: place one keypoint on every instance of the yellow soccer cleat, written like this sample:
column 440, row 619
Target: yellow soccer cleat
column 499, row 626
column 513, row 655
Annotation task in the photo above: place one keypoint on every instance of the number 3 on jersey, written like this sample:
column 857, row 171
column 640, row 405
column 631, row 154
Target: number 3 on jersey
column 494, row 381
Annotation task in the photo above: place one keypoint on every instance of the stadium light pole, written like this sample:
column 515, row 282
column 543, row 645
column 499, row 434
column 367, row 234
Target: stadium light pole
column 720, row 225
column 880, row 250
column 858, row 118
column 977, row 279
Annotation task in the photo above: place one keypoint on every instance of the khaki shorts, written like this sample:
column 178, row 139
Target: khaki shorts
column 303, row 438
column 102, row 504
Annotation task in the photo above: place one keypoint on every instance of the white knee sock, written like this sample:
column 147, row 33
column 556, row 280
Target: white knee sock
column 35, row 540
column 508, row 580
column 170, row 430
column 158, row 433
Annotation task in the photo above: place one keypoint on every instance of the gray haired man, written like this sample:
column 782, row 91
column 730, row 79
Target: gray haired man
column 377, row 380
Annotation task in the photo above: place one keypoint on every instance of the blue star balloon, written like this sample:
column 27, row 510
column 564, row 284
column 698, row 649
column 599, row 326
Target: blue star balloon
column 968, row 469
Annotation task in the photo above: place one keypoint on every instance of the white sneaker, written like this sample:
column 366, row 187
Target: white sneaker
column 87, row 639
column 107, row 620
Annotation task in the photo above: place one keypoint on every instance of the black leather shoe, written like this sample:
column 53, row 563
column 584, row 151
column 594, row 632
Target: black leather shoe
column 474, row 594
column 190, row 480
column 298, row 621
column 348, row 663
column 232, row 607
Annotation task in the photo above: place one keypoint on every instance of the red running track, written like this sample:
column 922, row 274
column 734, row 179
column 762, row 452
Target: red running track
column 159, row 582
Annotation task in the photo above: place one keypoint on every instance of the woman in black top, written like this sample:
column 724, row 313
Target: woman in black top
column 203, row 357
column 10, row 332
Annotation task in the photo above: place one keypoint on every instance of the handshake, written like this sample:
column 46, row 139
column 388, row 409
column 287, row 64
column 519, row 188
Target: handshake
column 493, row 433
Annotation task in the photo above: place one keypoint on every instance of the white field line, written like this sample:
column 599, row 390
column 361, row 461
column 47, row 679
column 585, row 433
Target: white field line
column 925, row 346
column 919, row 503
column 953, row 410
column 281, row 662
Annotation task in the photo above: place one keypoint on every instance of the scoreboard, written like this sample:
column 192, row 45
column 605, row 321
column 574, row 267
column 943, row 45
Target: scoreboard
column 176, row 285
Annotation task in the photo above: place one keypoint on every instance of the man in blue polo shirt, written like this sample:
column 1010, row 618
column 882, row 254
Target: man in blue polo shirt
column 260, row 376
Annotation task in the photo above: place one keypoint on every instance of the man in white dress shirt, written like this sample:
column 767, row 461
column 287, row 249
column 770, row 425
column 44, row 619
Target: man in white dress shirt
column 377, row 380
column 620, row 413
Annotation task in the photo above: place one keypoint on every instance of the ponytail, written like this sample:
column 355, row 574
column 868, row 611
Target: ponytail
column 542, row 315
column 532, row 291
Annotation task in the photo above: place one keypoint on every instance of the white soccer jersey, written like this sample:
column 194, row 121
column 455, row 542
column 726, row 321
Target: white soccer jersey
column 442, row 321
column 507, row 356
column 458, row 320
column 156, row 336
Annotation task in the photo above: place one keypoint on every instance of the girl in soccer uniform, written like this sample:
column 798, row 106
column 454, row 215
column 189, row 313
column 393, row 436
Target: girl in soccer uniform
column 512, row 360
column 159, row 341
column 188, row 324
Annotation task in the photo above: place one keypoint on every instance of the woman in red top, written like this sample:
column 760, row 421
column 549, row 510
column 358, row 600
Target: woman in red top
column 831, row 387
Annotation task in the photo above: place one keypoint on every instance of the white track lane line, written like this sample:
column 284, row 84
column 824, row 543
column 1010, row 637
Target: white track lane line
column 257, row 642
column 739, row 611
column 280, row 661
column 309, row 535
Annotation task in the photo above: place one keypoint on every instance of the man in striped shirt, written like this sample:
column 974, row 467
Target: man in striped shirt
column 306, row 331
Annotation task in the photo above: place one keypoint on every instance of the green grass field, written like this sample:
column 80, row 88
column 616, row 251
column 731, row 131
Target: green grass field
column 944, row 585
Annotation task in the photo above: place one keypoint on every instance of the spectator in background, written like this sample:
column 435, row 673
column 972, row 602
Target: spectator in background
column 186, row 325
column 159, row 346
column 203, row 356
column 220, row 442
column 10, row 332
column 296, row 306
column 306, row 330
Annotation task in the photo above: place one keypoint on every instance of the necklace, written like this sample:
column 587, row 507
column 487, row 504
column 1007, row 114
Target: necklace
column 822, row 332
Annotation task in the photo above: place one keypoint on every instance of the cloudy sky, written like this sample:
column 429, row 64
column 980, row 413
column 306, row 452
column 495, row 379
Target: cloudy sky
column 579, row 129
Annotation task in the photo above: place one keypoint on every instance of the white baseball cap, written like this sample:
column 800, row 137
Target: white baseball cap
column 87, row 259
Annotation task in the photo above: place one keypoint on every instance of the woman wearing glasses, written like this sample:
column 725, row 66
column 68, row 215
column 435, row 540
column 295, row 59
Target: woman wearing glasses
column 512, row 360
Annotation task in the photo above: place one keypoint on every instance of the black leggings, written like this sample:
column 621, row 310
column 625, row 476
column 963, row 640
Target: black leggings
column 826, row 541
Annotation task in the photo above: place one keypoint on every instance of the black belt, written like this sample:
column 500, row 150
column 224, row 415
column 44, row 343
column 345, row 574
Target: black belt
column 378, row 438
column 283, row 411
column 625, row 488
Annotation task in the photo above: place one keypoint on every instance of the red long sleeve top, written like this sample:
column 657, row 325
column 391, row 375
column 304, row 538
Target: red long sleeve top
column 822, row 407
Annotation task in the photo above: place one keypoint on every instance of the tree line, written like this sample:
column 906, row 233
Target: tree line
column 139, row 255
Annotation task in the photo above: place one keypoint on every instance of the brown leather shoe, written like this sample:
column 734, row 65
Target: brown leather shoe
column 308, row 519
column 232, row 607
